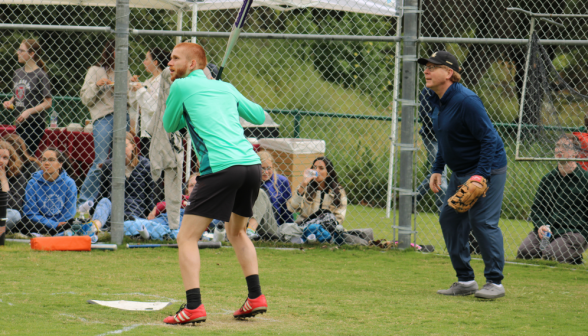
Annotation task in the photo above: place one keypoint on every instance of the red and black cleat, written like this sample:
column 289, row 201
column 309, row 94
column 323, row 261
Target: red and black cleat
column 184, row 316
column 252, row 307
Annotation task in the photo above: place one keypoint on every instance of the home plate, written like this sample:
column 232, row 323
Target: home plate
column 132, row 305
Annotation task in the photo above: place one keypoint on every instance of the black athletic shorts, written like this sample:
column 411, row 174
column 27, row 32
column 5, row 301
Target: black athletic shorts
column 217, row 195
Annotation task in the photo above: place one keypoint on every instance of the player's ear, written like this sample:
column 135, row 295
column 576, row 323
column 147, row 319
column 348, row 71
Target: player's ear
column 193, row 64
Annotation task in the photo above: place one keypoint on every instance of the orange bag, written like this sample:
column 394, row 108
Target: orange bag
column 73, row 243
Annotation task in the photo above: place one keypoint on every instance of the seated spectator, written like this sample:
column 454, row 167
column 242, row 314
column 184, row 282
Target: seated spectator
column 50, row 197
column 138, row 186
column 15, row 183
column 30, row 164
column 156, row 226
column 262, row 224
column 320, row 197
column 277, row 188
column 160, row 207
column 561, row 202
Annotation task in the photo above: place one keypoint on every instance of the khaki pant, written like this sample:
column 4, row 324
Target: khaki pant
column 567, row 248
column 264, row 214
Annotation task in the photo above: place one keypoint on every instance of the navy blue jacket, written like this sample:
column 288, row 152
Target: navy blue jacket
column 467, row 139
column 429, row 101
column 138, row 188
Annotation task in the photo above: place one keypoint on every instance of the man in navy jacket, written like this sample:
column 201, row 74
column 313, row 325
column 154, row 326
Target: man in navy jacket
column 470, row 146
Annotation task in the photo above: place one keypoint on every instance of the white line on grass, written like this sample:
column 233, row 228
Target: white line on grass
column 79, row 318
column 131, row 327
column 120, row 331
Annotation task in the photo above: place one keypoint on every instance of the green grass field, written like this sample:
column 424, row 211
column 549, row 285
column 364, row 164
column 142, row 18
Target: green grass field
column 316, row 292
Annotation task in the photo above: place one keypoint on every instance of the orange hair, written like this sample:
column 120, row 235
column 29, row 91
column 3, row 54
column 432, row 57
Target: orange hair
column 194, row 51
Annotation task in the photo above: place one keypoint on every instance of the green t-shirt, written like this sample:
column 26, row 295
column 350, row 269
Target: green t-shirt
column 211, row 110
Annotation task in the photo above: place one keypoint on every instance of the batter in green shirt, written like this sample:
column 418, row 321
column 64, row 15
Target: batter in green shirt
column 211, row 110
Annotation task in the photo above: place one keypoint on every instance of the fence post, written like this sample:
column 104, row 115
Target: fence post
column 120, row 121
column 406, row 133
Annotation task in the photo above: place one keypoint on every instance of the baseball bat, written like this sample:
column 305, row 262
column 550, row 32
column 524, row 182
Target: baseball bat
column 109, row 247
column 235, row 34
column 201, row 244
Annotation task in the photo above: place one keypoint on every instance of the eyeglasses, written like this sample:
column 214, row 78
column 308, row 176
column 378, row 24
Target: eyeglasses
column 266, row 169
column 49, row 159
column 20, row 51
column 431, row 67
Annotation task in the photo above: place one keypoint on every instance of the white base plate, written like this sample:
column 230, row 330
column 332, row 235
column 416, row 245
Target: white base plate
column 132, row 305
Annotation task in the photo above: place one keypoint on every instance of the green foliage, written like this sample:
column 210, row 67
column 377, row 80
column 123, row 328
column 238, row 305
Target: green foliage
column 365, row 176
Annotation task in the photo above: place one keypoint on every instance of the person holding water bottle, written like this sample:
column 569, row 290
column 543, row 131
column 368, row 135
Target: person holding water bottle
column 319, row 193
column 560, row 210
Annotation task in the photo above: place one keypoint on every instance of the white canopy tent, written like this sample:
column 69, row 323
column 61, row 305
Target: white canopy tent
column 376, row 7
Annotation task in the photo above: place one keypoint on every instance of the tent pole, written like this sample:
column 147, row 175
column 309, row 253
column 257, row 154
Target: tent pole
column 188, row 139
column 179, row 28
column 194, row 20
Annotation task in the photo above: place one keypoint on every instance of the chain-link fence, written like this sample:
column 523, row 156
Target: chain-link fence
column 331, row 99
column 326, row 93
column 538, row 192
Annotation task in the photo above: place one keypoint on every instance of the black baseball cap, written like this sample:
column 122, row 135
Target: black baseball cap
column 442, row 58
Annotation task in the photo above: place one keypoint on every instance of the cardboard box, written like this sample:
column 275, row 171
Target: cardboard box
column 292, row 155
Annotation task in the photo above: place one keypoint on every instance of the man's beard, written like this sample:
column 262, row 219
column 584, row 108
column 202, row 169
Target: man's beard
column 178, row 73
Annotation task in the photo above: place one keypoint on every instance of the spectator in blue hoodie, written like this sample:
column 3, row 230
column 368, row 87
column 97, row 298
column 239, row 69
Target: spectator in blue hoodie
column 50, row 197
column 277, row 188
column 470, row 146
column 138, row 186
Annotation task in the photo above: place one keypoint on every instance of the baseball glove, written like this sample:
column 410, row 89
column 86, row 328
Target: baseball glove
column 467, row 194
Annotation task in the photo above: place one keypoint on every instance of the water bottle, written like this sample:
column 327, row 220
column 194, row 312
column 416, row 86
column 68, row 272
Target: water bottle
column 53, row 120
column 545, row 240
column 219, row 233
column 76, row 227
column 339, row 235
column 85, row 207
column 311, row 238
column 206, row 236
column 144, row 233
column 296, row 240
column 310, row 173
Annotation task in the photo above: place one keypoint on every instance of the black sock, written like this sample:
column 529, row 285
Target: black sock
column 193, row 297
column 253, row 286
